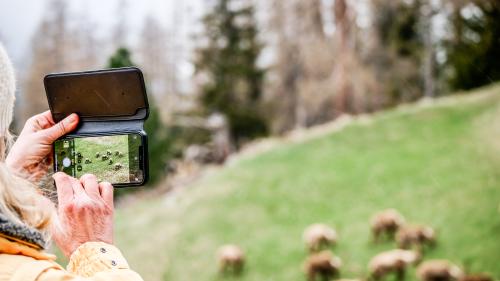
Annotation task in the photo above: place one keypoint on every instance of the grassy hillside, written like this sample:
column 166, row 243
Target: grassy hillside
column 438, row 165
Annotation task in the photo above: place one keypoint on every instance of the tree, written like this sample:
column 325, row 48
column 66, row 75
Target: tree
column 57, row 46
column 121, row 58
column 119, row 35
column 345, row 63
column 429, row 52
column 158, row 61
column 158, row 142
column 229, row 60
column 48, row 55
column 315, row 61
column 287, row 111
column 299, row 86
column 396, row 55
column 474, row 48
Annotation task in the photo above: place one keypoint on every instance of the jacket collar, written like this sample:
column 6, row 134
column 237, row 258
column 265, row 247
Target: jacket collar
column 10, row 247
column 18, row 239
column 21, row 233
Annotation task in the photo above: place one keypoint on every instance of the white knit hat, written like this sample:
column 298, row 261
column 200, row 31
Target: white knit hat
column 7, row 90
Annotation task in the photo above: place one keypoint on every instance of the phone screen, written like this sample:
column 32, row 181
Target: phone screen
column 114, row 158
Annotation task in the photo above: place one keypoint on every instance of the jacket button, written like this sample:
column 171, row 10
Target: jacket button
column 103, row 250
column 113, row 263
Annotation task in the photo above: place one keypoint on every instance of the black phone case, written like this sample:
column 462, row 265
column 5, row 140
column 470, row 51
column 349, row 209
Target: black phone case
column 108, row 102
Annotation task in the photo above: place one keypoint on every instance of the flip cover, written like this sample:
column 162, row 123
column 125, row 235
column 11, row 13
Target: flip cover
column 110, row 100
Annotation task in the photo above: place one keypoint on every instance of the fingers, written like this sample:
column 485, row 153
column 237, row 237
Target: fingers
column 68, row 188
column 90, row 185
column 39, row 122
column 62, row 128
column 45, row 119
column 78, row 189
column 106, row 190
column 48, row 116
column 64, row 188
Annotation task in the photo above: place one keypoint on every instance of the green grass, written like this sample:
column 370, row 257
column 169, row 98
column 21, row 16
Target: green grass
column 438, row 165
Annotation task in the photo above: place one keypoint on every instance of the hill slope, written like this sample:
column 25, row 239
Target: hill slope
column 437, row 164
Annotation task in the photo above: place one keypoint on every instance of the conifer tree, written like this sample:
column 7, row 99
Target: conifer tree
column 474, row 48
column 229, row 59
column 158, row 142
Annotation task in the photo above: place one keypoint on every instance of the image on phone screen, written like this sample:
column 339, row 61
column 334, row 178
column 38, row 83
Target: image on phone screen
column 115, row 158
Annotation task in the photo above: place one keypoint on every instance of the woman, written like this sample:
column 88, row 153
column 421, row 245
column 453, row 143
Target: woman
column 82, row 225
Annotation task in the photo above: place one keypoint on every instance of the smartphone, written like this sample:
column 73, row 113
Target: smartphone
column 118, row 158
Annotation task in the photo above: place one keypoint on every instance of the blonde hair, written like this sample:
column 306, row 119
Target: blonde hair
column 23, row 203
column 6, row 142
column 20, row 200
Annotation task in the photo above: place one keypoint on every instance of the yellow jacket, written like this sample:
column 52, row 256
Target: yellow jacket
column 92, row 261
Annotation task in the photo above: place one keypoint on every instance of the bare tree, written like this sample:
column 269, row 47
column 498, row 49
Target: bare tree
column 158, row 61
column 83, row 45
column 287, row 70
column 304, row 60
column 343, row 89
column 120, row 31
column 152, row 53
column 48, row 55
column 429, row 52
column 58, row 45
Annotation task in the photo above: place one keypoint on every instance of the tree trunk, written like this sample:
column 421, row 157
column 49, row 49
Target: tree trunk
column 429, row 63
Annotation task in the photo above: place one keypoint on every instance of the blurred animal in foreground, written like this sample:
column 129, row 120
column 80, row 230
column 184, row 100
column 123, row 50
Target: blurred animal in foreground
column 386, row 223
column 415, row 236
column 393, row 261
column 231, row 259
column 323, row 265
column 319, row 236
column 439, row 270
column 477, row 277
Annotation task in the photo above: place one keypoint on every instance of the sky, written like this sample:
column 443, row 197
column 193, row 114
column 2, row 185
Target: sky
column 19, row 18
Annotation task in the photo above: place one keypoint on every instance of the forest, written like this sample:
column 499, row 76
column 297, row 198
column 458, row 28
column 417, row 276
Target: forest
column 260, row 68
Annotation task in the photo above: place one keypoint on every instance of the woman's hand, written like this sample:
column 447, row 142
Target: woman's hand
column 85, row 212
column 31, row 154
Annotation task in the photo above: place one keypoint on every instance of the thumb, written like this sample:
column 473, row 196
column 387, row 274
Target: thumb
column 62, row 128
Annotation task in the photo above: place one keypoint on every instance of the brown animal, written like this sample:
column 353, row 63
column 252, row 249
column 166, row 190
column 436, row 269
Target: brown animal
column 231, row 259
column 393, row 261
column 323, row 265
column 439, row 270
column 477, row 277
column 319, row 236
column 416, row 236
column 386, row 223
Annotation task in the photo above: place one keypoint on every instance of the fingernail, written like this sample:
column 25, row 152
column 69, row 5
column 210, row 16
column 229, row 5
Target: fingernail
column 71, row 119
column 56, row 175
